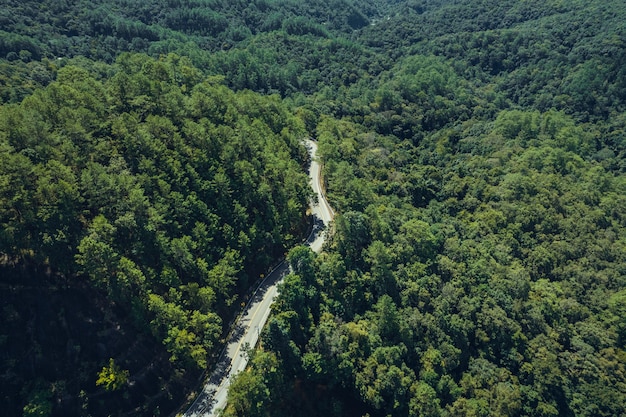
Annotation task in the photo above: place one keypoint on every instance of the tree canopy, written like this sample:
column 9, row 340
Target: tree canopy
column 152, row 170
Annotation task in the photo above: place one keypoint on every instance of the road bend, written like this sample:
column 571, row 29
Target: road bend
column 247, row 329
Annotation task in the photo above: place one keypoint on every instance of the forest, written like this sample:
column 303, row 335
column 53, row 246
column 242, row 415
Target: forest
column 153, row 171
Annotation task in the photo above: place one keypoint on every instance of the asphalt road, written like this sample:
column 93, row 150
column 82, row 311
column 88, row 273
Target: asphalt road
column 248, row 328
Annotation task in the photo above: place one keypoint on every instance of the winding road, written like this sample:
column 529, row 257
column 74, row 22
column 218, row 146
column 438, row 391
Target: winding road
column 254, row 316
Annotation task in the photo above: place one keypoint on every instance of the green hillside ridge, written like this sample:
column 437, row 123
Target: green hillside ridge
column 162, row 190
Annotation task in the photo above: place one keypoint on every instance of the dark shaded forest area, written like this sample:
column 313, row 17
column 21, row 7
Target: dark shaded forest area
column 152, row 171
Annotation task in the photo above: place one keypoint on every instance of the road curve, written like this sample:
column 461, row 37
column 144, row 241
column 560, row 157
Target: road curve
column 248, row 328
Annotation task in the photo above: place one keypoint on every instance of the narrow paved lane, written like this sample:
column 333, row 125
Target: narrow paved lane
column 251, row 322
column 322, row 212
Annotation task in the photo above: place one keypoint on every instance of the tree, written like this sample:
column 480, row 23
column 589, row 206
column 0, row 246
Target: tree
column 112, row 377
column 301, row 259
column 351, row 236
column 424, row 401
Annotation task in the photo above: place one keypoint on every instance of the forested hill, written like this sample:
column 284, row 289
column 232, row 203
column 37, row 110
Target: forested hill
column 136, row 208
column 151, row 170
column 477, row 263
column 38, row 31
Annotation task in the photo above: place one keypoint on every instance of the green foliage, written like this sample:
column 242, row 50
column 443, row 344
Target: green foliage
column 39, row 401
column 161, row 189
column 496, row 296
column 112, row 377
column 474, row 153
column 249, row 394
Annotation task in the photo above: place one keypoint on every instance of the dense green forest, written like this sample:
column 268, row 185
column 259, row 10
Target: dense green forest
column 152, row 170
column 160, row 193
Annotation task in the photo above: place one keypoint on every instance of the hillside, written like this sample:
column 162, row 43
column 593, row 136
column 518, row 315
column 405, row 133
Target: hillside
column 152, row 171
column 477, row 265
column 137, row 208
